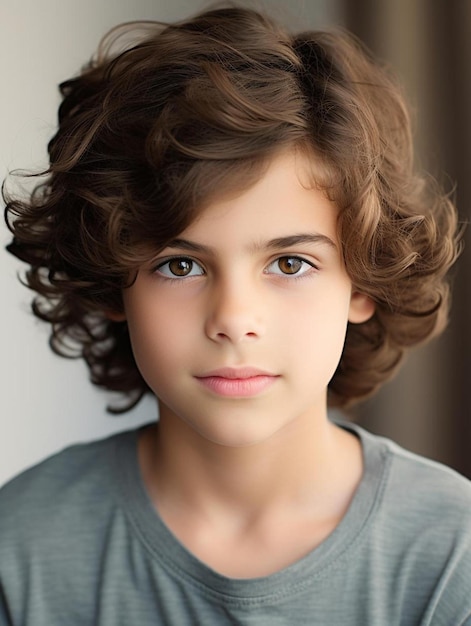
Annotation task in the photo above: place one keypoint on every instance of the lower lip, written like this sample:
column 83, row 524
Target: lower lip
column 237, row 387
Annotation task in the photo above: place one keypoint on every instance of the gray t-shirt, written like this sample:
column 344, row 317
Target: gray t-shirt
column 81, row 544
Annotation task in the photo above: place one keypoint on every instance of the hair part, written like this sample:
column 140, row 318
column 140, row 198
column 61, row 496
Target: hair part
column 191, row 112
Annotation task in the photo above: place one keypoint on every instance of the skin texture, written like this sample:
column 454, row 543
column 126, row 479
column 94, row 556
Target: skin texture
column 253, row 463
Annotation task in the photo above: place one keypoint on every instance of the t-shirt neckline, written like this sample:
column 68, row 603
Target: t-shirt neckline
column 333, row 552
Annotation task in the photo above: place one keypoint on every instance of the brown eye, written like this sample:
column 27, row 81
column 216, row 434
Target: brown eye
column 290, row 264
column 180, row 267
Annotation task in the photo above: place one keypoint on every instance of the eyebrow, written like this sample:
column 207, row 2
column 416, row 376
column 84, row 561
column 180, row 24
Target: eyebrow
column 272, row 244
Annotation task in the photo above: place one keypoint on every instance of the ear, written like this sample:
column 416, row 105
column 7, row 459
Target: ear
column 361, row 308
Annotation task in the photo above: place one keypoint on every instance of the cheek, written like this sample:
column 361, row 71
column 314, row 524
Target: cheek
column 157, row 339
column 317, row 330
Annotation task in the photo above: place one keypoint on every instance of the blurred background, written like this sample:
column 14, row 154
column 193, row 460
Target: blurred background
column 427, row 408
column 47, row 402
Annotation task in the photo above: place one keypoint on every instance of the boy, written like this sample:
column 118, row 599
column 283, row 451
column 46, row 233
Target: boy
column 232, row 223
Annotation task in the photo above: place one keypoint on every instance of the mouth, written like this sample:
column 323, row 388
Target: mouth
column 236, row 373
column 237, row 382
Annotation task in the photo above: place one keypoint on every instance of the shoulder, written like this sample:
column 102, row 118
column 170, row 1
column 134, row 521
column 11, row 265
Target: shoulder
column 48, row 497
column 417, row 503
column 429, row 506
column 426, row 487
column 422, row 519
column 419, row 531
column 418, row 482
column 57, row 521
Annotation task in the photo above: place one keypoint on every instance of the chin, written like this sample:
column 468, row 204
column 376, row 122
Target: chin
column 240, row 436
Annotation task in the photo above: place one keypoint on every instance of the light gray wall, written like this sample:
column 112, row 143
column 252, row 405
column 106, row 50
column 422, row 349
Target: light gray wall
column 47, row 402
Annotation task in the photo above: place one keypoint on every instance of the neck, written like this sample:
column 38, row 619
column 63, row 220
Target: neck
column 302, row 467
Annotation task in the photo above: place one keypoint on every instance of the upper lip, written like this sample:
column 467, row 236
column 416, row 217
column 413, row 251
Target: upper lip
column 236, row 373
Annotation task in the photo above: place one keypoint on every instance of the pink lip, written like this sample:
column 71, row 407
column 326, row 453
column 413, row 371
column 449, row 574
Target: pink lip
column 237, row 382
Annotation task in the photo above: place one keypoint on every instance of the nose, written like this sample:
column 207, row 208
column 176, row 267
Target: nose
column 234, row 314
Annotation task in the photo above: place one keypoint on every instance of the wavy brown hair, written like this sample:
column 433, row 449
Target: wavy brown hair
column 187, row 112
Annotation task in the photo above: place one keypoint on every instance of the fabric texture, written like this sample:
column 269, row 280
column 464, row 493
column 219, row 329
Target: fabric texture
column 81, row 544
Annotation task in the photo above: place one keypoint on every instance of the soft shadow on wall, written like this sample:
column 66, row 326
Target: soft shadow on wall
column 427, row 408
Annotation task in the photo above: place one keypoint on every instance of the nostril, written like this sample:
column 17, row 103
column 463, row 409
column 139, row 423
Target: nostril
column 221, row 336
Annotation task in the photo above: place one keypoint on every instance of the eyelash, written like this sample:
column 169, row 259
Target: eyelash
column 173, row 277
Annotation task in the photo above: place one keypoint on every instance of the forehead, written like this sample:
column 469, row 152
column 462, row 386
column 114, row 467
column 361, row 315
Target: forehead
column 283, row 201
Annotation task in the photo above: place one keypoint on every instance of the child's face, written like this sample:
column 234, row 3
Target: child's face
column 234, row 292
